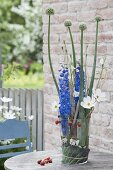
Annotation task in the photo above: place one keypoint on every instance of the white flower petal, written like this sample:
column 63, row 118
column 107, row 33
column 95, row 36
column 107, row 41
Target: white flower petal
column 6, row 100
column 99, row 96
column 9, row 115
column 77, row 142
column 31, row 117
column 88, row 102
column 55, row 106
column 76, row 94
column 72, row 142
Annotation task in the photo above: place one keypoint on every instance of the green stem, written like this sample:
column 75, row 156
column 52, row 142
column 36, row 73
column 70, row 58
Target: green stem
column 94, row 63
column 81, row 78
column 73, row 48
column 86, row 84
column 49, row 55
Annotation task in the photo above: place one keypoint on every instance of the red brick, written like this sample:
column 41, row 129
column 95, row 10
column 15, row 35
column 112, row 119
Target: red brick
column 106, row 37
column 97, row 4
column 108, row 86
column 58, row 7
column 54, row 38
column 75, row 6
column 110, row 3
column 75, row 26
column 106, row 13
column 88, row 38
column 110, row 49
column 86, row 15
column 58, row 28
column 66, row 37
column 55, row 49
column 109, row 73
column 63, row 17
column 91, row 27
column 102, row 49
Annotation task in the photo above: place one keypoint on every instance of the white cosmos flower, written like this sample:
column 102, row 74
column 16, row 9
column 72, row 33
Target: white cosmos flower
column 9, row 115
column 2, row 108
column 88, row 102
column 31, row 117
column 15, row 108
column 55, row 106
column 72, row 142
column 76, row 94
column 6, row 100
column 99, row 95
column 64, row 140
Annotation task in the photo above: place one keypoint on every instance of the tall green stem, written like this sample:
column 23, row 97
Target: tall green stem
column 49, row 55
column 73, row 48
column 81, row 69
column 81, row 115
column 95, row 59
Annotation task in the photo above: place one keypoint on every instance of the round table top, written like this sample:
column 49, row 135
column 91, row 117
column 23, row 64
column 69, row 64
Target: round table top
column 97, row 160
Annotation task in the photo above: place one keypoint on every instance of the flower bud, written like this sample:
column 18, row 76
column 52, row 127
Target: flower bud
column 50, row 11
column 82, row 27
column 98, row 19
column 67, row 23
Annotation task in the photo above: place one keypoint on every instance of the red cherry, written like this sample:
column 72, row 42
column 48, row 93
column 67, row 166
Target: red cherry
column 42, row 163
column 48, row 158
column 57, row 122
column 50, row 161
column 39, row 161
column 46, row 161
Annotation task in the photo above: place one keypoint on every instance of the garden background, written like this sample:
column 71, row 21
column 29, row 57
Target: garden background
column 21, row 43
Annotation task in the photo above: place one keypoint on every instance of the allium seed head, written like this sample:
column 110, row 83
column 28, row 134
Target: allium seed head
column 67, row 23
column 82, row 27
column 50, row 11
column 98, row 19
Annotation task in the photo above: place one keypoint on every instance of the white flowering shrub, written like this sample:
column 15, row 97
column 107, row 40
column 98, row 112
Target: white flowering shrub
column 28, row 37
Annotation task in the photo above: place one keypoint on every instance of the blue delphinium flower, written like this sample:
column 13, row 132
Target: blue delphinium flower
column 64, row 100
column 77, row 84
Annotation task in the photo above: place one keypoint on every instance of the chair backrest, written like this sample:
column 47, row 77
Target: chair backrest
column 15, row 129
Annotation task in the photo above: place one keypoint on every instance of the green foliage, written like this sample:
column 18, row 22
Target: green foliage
column 20, row 30
column 28, row 37
column 31, row 81
column 6, row 17
column 36, row 67
column 16, row 141
column 15, row 76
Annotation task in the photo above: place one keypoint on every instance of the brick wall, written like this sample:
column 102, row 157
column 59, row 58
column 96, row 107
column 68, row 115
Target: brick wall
column 101, row 133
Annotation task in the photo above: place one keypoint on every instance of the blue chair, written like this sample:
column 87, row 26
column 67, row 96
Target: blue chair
column 15, row 129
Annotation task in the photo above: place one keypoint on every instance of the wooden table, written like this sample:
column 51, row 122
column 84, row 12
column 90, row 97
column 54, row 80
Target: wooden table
column 97, row 160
